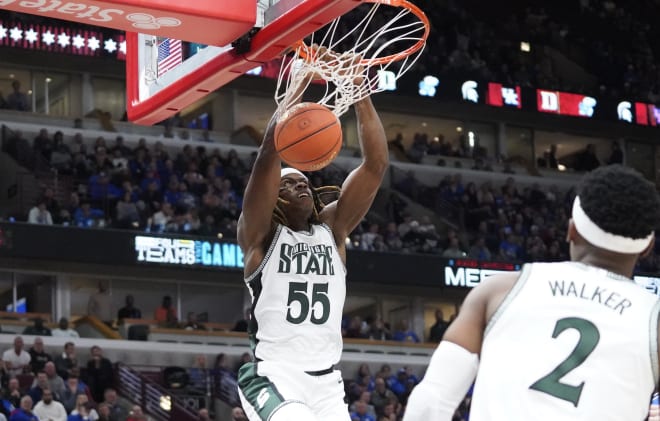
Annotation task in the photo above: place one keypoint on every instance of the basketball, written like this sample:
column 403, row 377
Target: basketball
column 308, row 136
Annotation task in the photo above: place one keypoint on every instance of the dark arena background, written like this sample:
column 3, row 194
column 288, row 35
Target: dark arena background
column 119, row 266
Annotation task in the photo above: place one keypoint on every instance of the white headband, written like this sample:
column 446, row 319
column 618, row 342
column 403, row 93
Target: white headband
column 287, row 171
column 605, row 240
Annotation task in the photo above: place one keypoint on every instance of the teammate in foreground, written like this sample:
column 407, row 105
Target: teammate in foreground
column 560, row 341
column 295, row 258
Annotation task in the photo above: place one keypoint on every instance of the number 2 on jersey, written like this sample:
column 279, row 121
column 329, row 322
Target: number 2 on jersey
column 298, row 293
column 589, row 337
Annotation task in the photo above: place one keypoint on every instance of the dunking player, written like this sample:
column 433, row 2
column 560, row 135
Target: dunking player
column 295, row 270
column 560, row 341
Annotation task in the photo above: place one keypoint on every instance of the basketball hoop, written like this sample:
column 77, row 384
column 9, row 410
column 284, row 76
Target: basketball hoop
column 358, row 54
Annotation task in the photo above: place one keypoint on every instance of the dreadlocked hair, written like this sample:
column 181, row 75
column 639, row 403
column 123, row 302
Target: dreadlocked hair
column 322, row 196
column 620, row 201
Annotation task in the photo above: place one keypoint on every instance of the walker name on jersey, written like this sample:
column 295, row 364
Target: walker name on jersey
column 187, row 252
column 303, row 259
column 593, row 293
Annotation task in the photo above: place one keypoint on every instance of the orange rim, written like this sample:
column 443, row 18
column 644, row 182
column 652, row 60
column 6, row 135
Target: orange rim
column 392, row 57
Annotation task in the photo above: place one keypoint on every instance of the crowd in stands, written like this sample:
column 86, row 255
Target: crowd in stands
column 380, row 330
column 382, row 396
column 200, row 192
column 611, row 42
column 38, row 386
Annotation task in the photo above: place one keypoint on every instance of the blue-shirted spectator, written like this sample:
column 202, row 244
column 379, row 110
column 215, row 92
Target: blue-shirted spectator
column 404, row 333
column 101, row 189
column 360, row 413
column 85, row 216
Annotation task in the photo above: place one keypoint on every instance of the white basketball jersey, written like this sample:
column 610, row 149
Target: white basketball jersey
column 569, row 342
column 298, row 295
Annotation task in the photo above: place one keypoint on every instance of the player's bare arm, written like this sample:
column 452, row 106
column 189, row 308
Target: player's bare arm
column 261, row 192
column 361, row 185
column 454, row 364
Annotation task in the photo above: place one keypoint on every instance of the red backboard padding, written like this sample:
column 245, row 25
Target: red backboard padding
column 213, row 22
column 303, row 19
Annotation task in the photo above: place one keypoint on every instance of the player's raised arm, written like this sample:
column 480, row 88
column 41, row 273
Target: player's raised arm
column 254, row 224
column 361, row 185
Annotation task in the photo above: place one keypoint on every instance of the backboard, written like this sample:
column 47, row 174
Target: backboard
column 195, row 20
column 162, row 77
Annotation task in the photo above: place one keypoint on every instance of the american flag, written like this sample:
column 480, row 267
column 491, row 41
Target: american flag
column 170, row 55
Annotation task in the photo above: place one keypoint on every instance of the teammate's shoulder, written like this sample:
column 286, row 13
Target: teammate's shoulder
column 495, row 285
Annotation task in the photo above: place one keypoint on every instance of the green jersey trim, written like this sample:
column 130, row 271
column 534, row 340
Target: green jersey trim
column 259, row 391
column 520, row 282
column 267, row 256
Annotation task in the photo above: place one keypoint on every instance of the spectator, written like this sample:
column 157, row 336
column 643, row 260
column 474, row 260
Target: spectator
column 48, row 409
column 136, row 414
column 616, row 157
column 166, row 314
column 37, row 328
column 192, row 323
column 399, row 385
column 100, row 304
column 379, row 331
column 55, row 382
column 64, row 331
column 381, row 395
column 104, row 412
column 71, row 394
column 354, row 328
column 39, row 214
column 453, row 251
column 6, row 407
column 17, row 100
column 365, row 398
column 67, row 361
column 199, row 375
column 479, row 251
column 509, row 249
column 246, row 357
column 438, row 329
column 129, row 311
column 39, row 384
column 12, row 398
column 38, row 356
column 100, row 374
column 52, row 204
column 83, row 411
column 42, row 145
column 86, row 217
column 127, row 213
column 117, row 411
column 237, row 414
column 360, row 413
column 16, row 360
column 24, row 413
column 404, row 334
column 225, row 379
column 60, row 157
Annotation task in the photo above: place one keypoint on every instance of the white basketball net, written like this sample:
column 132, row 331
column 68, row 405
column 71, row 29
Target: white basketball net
column 344, row 55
